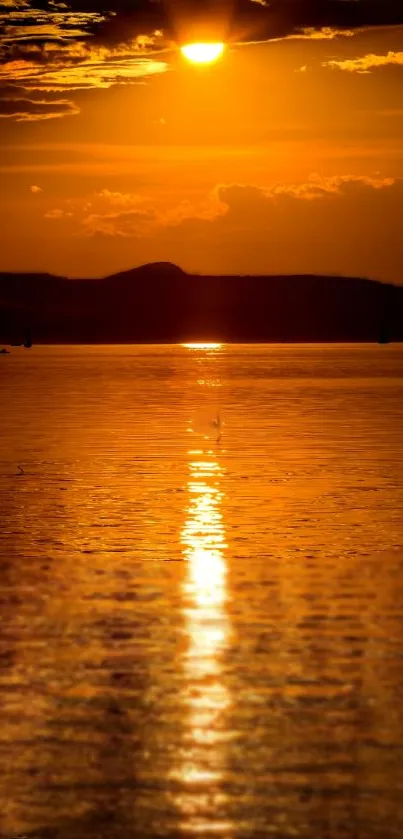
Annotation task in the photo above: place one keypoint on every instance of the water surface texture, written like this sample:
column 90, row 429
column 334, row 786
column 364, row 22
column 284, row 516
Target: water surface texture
column 201, row 592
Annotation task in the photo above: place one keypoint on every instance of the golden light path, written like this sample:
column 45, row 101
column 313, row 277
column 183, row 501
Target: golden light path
column 201, row 761
column 203, row 53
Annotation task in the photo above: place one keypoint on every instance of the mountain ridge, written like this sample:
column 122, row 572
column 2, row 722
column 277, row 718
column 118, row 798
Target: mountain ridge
column 160, row 302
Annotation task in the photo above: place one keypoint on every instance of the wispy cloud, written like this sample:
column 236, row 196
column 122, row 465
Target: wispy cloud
column 323, row 33
column 130, row 215
column 57, row 213
column 59, row 20
column 366, row 63
column 54, row 49
column 317, row 187
column 92, row 73
column 34, row 110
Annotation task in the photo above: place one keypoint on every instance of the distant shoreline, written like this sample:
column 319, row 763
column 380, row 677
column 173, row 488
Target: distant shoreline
column 206, row 342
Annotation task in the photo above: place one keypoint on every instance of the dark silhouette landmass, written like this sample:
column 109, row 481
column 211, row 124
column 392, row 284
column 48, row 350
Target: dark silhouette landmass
column 161, row 303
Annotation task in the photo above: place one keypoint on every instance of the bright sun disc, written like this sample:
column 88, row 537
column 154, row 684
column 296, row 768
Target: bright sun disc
column 202, row 53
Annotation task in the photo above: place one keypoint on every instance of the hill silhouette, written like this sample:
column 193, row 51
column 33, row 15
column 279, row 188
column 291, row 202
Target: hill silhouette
column 161, row 303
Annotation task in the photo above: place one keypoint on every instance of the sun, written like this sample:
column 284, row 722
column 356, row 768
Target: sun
column 203, row 53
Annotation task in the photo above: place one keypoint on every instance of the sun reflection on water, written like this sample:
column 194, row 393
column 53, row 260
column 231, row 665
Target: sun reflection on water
column 206, row 345
column 206, row 699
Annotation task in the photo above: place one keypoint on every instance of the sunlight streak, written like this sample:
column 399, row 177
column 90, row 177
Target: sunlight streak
column 206, row 698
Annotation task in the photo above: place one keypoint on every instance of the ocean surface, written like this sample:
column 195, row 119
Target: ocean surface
column 201, row 592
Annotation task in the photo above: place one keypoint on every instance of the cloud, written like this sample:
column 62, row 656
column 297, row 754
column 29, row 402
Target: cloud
column 130, row 215
column 119, row 214
column 55, row 48
column 34, row 110
column 241, row 20
column 126, row 224
column 324, row 33
column 107, row 213
column 232, row 198
column 341, row 225
column 80, row 44
column 57, row 214
column 81, row 76
column 317, row 187
column 366, row 63
column 28, row 21
column 127, row 215
column 236, row 20
column 76, row 66
column 117, row 199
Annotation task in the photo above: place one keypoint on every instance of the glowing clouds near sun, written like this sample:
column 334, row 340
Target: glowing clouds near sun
column 203, row 53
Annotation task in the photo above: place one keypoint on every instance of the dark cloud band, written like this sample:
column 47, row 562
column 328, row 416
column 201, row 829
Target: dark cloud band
column 30, row 110
column 118, row 22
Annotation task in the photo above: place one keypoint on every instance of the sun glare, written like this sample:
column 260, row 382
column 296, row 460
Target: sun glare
column 202, row 53
column 202, row 346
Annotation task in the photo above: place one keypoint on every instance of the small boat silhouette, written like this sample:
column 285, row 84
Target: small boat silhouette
column 3, row 351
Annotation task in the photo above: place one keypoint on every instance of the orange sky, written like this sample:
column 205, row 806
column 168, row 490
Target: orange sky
column 286, row 156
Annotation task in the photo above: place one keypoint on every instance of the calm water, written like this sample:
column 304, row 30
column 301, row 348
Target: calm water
column 201, row 637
